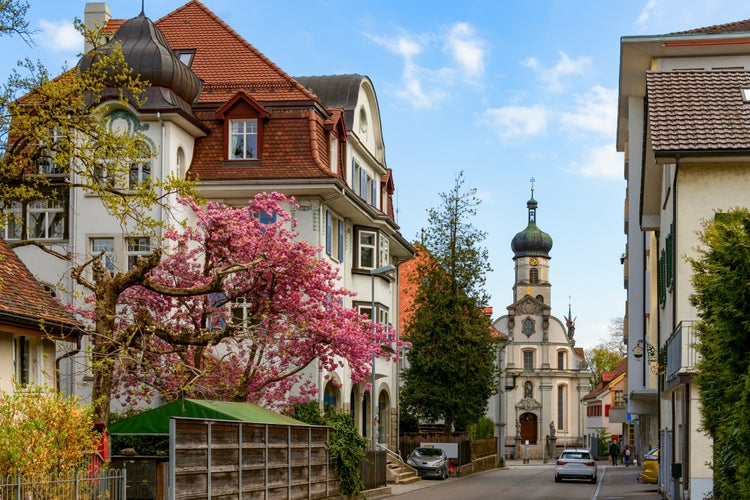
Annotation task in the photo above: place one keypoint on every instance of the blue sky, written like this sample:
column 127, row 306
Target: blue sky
column 504, row 91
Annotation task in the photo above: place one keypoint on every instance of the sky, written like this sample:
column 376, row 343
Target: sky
column 501, row 91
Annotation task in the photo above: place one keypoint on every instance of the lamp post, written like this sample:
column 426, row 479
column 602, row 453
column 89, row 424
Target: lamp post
column 380, row 271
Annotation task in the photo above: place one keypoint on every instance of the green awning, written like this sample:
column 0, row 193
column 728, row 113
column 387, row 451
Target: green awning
column 156, row 421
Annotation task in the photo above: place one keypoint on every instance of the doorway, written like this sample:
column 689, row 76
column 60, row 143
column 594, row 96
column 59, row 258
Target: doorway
column 528, row 428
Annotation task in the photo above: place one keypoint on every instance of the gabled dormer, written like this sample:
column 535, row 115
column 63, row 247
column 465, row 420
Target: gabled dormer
column 243, row 119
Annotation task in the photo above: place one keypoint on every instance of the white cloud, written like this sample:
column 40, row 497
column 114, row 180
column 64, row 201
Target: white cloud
column 60, row 36
column 646, row 12
column 467, row 50
column 423, row 86
column 516, row 121
column 596, row 111
column 601, row 161
column 564, row 67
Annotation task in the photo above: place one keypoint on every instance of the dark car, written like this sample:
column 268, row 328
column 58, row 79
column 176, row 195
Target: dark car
column 429, row 462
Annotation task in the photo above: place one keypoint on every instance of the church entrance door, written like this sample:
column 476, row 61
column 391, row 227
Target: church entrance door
column 528, row 428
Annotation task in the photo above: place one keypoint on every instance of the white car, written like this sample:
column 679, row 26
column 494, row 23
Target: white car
column 575, row 464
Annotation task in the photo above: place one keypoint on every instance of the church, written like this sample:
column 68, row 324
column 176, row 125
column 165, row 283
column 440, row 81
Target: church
column 544, row 376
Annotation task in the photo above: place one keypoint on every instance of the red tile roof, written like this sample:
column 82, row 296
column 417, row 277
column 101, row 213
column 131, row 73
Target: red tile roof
column 25, row 303
column 698, row 110
column 735, row 27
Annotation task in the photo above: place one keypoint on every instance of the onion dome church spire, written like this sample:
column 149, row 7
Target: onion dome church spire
column 531, row 254
column 532, row 241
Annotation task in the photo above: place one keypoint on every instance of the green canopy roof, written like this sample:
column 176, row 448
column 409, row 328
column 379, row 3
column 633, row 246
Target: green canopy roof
column 156, row 421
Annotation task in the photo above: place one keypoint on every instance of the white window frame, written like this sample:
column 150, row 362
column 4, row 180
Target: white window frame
column 46, row 164
column 243, row 139
column 137, row 249
column 370, row 247
column 13, row 226
column 334, row 154
column 140, row 169
column 97, row 244
column 51, row 213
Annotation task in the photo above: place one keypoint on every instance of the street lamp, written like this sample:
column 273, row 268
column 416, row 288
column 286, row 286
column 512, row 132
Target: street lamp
column 380, row 271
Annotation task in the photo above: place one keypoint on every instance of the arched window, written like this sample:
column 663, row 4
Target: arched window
column 140, row 168
column 181, row 166
column 534, row 276
column 562, row 406
column 561, row 357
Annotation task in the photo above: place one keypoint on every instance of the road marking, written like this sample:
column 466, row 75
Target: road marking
column 595, row 494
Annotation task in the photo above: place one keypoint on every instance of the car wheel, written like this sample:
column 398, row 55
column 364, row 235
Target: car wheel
column 557, row 478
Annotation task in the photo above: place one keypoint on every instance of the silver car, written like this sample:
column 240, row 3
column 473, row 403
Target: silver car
column 429, row 462
column 575, row 464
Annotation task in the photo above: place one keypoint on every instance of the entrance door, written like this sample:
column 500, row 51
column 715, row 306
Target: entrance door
column 528, row 428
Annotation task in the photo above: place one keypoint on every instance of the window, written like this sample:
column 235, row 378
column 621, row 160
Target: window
column 561, row 355
column 243, row 139
column 140, row 169
column 594, row 411
column 527, row 326
column 46, row 219
column 372, row 248
column 381, row 312
column 562, row 403
column 105, row 249
column 13, row 229
column 355, row 176
column 46, row 164
column 137, row 247
column 534, row 276
column 334, row 236
column 185, row 56
column 619, row 400
column 367, row 241
column 22, row 360
column 333, row 154
column 241, row 313
column 528, row 359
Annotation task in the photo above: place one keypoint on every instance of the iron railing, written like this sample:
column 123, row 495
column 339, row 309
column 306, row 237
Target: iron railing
column 76, row 485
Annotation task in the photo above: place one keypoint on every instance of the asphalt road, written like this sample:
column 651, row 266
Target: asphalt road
column 531, row 482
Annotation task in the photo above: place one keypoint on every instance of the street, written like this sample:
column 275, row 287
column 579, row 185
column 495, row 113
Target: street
column 532, row 482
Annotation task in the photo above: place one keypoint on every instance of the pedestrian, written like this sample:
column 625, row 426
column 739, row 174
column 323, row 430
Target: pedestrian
column 626, row 455
column 614, row 451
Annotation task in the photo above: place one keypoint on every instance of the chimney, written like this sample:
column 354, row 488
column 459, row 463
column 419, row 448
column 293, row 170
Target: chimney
column 95, row 13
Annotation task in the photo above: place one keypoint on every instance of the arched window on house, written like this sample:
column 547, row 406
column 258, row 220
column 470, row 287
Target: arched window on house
column 534, row 276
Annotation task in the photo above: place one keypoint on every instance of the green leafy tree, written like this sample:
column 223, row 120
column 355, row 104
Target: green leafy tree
column 722, row 298
column 451, row 371
column 606, row 355
column 13, row 19
column 42, row 432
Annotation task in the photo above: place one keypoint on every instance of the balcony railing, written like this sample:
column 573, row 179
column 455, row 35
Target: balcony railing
column 681, row 353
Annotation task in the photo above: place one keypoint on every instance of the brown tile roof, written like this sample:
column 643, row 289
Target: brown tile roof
column 734, row 27
column 698, row 110
column 23, row 301
column 224, row 60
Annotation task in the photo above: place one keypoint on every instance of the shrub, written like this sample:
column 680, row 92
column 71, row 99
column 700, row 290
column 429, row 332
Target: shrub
column 42, row 432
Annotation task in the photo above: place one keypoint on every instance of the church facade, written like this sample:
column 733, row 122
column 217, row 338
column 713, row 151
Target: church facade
column 544, row 375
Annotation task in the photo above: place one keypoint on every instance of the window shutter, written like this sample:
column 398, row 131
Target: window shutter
column 341, row 240
column 329, row 232
column 363, row 183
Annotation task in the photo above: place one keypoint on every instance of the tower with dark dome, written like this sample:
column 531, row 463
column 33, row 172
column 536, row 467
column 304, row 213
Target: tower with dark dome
column 531, row 254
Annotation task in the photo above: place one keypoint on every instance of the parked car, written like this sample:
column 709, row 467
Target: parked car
column 650, row 463
column 429, row 462
column 575, row 464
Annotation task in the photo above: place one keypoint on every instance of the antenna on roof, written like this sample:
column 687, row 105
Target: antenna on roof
column 143, row 7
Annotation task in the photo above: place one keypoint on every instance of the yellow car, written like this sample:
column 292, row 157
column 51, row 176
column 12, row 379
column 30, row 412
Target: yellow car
column 650, row 465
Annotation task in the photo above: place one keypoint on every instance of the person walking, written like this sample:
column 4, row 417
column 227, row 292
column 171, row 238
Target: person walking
column 614, row 451
column 626, row 455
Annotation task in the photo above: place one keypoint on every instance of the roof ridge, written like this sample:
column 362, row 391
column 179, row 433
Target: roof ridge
column 247, row 44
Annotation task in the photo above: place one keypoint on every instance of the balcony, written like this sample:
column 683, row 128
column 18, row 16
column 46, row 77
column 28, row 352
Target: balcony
column 681, row 355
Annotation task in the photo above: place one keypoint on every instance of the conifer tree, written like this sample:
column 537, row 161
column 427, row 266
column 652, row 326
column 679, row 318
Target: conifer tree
column 451, row 371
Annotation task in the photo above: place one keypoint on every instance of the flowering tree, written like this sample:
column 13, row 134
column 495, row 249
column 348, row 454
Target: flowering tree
column 277, row 307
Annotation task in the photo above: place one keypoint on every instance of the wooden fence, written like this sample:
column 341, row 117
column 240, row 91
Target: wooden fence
column 211, row 459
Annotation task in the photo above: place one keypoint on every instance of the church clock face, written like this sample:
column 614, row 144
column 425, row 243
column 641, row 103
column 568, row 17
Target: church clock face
column 533, row 261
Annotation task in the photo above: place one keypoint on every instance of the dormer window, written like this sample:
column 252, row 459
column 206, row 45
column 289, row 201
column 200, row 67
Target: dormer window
column 243, row 139
column 243, row 128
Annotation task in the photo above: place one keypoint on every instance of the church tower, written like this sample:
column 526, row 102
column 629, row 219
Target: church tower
column 531, row 254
